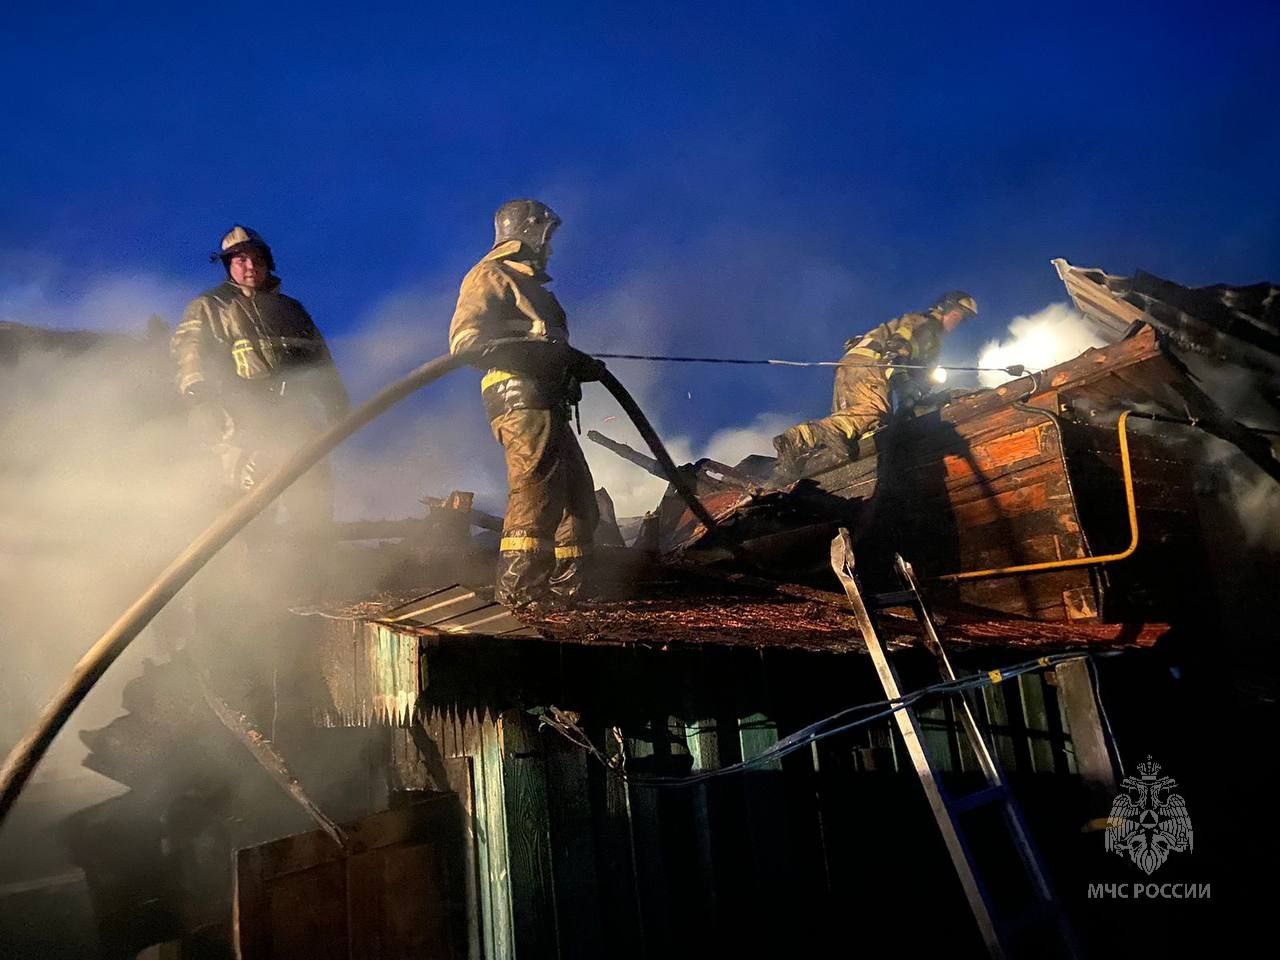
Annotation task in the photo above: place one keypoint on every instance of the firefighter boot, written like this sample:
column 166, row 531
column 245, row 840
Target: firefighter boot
column 522, row 575
column 569, row 578
column 796, row 449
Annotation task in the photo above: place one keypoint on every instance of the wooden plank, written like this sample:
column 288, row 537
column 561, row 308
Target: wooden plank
column 757, row 733
column 1036, row 722
column 1039, row 596
column 484, row 742
column 994, row 454
column 1083, row 723
column 362, row 685
column 400, row 900
column 460, row 772
column 615, row 850
column 648, row 850
column 336, row 655
column 1050, row 534
column 998, row 723
column 703, row 742
column 391, row 893
column 434, row 607
column 249, row 928
column 528, row 842
column 1047, row 470
column 573, row 853
column 921, row 446
column 936, row 734
column 1063, row 762
column 1028, row 498
column 390, row 675
column 307, row 914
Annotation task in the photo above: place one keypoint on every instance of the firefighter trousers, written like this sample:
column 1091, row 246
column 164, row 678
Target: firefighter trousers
column 861, row 403
column 551, row 506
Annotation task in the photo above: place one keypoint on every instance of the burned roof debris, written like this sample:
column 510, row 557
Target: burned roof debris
column 1240, row 325
column 1043, row 516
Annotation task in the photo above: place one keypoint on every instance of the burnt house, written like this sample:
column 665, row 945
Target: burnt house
column 1065, row 511
column 660, row 773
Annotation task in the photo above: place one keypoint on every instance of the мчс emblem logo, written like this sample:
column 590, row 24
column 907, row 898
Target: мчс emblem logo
column 1149, row 820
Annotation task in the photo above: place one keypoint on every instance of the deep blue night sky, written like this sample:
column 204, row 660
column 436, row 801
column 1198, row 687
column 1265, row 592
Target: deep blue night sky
column 751, row 179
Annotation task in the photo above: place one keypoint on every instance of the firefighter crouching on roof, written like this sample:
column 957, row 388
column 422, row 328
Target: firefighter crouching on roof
column 259, row 377
column 516, row 328
column 863, row 396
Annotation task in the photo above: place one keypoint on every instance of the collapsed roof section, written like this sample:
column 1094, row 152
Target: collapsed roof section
column 1011, row 501
column 1240, row 325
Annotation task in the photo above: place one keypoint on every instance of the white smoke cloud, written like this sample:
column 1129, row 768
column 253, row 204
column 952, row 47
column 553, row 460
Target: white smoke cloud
column 1257, row 501
column 1051, row 335
column 431, row 443
column 734, row 444
column 118, row 303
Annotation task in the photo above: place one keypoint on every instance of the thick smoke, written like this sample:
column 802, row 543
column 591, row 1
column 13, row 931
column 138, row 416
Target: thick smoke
column 1257, row 499
column 1038, row 340
column 1253, row 496
column 432, row 443
column 94, row 499
column 102, row 483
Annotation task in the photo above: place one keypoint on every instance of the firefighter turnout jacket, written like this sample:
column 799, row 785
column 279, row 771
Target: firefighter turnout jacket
column 914, row 338
column 504, row 296
column 862, row 399
column 551, row 508
column 231, row 336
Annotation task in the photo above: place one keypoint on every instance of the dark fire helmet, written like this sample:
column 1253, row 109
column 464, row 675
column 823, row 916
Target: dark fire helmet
column 957, row 300
column 529, row 221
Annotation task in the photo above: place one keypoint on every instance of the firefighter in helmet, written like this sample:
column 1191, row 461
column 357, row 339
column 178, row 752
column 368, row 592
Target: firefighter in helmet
column 866, row 384
column 258, row 375
column 515, row 329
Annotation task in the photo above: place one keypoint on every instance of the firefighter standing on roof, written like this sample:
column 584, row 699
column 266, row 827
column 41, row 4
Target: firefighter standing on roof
column 516, row 328
column 863, row 396
column 258, row 375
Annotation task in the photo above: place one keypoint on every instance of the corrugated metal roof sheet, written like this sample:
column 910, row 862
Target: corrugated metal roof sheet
column 455, row 610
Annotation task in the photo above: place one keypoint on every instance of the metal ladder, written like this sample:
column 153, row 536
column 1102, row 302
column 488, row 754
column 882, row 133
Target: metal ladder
column 997, row 931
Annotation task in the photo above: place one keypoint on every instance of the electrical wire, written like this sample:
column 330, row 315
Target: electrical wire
column 1014, row 370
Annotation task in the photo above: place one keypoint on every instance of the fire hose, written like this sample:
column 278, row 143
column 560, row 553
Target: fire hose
column 27, row 753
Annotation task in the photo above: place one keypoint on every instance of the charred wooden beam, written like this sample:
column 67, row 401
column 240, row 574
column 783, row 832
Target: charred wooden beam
column 268, row 759
column 459, row 501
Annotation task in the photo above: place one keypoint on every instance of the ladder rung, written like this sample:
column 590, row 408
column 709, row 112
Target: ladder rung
column 894, row 598
column 980, row 798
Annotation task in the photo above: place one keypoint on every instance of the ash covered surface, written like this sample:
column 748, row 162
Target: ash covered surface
column 675, row 614
column 678, row 607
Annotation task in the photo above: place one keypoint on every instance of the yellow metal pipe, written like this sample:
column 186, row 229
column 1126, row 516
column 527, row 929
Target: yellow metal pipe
column 1127, row 472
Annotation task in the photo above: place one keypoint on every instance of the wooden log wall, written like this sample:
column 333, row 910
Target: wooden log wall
column 1165, row 579
column 567, row 861
column 958, row 492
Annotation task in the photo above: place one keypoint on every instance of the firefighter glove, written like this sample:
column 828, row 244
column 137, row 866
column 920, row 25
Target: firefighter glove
column 586, row 368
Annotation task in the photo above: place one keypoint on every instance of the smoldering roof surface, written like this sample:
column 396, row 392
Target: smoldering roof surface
column 680, row 607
